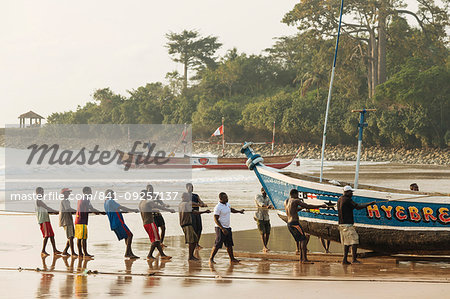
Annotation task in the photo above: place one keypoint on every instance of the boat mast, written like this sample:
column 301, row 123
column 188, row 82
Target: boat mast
column 223, row 137
column 273, row 136
column 361, row 126
column 329, row 93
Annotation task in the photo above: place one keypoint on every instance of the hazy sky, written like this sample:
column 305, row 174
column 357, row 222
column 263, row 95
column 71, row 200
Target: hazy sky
column 55, row 53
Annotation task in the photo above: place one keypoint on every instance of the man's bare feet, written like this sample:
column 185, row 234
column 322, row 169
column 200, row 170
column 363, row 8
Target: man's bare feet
column 166, row 257
column 211, row 261
column 132, row 256
column 234, row 261
column 198, row 247
column 297, row 252
column 149, row 257
column 88, row 256
column 57, row 252
column 265, row 249
column 163, row 245
column 74, row 255
column 65, row 253
column 44, row 254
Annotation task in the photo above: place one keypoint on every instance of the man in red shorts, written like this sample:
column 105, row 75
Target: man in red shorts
column 147, row 207
column 43, row 218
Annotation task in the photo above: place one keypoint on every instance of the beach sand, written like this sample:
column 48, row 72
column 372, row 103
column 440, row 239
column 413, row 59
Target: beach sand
column 109, row 274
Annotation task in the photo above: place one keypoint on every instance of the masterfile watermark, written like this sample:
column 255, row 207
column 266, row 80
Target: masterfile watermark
column 55, row 155
column 124, row 158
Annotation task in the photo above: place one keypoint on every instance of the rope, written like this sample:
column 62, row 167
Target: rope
column 154, row 274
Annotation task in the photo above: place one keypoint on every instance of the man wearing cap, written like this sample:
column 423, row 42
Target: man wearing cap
column 117, row 223
column 349, row 236
column 66, row 221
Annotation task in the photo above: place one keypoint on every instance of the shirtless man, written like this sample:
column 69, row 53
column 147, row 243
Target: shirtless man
column 147, row 207
column 292, row 206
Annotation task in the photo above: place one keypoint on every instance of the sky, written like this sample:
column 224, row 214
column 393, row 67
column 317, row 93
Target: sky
column 55, row 53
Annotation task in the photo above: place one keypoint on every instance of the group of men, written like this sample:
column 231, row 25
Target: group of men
column 292, row 205
column 150, row 207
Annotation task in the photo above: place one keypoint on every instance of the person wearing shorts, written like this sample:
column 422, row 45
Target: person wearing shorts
column 222, row 212
column 117, row 223
column 157, row 216
column 348, row 234
column 84, row 207
column 66, row 221
column 292, row 206
column 262, row 217
column 186, row 210
column 197, row 203
column 147, row 206
column 42, row 214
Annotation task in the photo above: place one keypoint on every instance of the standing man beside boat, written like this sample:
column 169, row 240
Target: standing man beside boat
column 292, row 206
column 262, row 217
column 349, row 236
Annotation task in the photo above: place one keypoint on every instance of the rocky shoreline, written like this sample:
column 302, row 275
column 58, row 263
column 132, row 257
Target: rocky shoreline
column 432, row 156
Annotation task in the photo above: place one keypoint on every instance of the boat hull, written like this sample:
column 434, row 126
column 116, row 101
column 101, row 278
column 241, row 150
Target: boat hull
column 383, row 240
column 399, row 221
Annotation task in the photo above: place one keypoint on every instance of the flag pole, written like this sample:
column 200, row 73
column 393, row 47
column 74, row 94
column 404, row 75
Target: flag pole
column 329, row 93
column 273, row 136
column 223, row 138
column 184, row 137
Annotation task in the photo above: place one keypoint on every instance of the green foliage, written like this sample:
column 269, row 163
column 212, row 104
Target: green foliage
column 192, row 50
column 288, row 84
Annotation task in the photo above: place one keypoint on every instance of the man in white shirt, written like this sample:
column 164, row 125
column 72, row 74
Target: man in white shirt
column 223, row 230
column 262, row 217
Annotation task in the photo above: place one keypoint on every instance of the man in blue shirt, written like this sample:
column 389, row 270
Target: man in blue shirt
column 117, row 223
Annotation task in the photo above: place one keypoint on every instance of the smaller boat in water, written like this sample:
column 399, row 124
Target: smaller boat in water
column 208, row 162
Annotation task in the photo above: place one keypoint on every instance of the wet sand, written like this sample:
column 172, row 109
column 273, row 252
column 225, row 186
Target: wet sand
column 67, row 277
column 109, row 274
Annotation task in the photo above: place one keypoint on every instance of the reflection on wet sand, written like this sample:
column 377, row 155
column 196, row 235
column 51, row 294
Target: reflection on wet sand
column 118, row 287
column 82, row 265
column 154, row 266
column 52, row 266
column 44, row 289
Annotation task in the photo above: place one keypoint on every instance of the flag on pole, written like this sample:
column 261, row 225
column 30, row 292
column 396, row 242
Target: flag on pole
column 218, row 132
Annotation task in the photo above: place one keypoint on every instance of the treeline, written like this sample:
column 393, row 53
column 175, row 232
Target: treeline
column 385, row 63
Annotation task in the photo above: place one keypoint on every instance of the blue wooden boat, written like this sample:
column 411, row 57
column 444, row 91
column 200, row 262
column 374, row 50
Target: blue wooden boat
column 401, row 221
